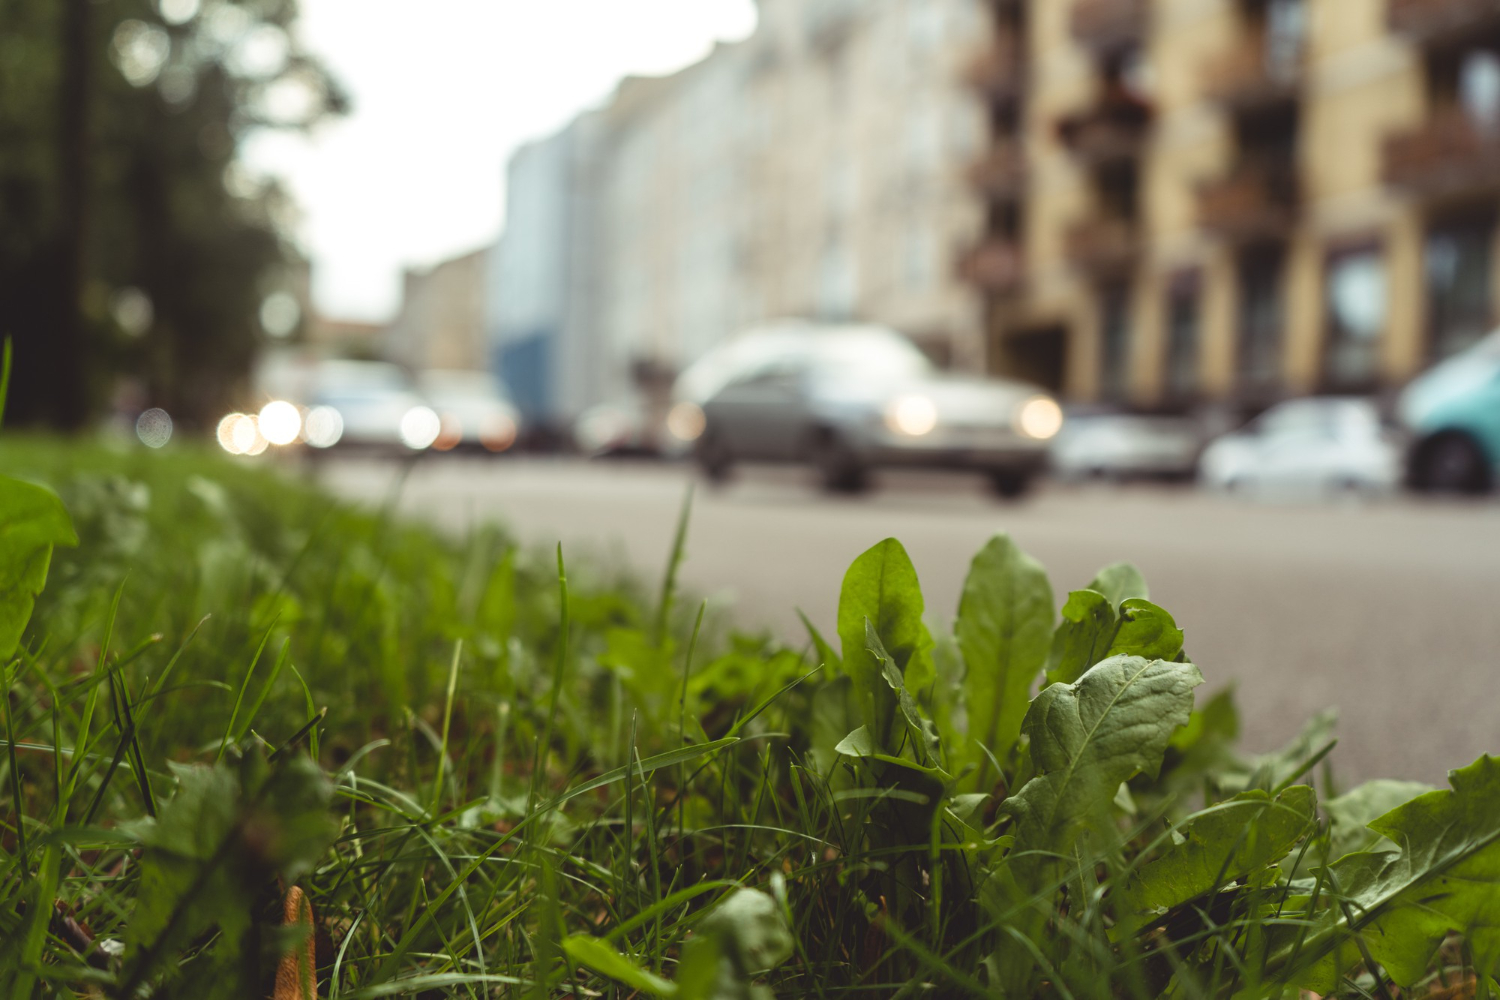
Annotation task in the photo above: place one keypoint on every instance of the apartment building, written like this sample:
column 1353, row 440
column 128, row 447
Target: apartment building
column 1197, row 202
column 816, row 168
column 440, row 323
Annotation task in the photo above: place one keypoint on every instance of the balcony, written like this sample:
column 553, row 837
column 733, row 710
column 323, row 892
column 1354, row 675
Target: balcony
column 1256, row 202
column 1001, row 173
column 1448, row 156
column 1252, row 78
column 1439, row 22
column 996, row 71
column 1112, row 131
column 1104, row 247
column 994, row 265
column 1104, row 26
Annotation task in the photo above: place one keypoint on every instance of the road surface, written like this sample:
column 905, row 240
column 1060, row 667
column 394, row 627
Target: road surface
column 1389, row 611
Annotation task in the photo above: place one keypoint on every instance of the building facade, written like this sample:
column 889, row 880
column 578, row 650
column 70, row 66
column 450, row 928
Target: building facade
column 440, row 323
column 541, row 302
column 1231, row 201
column 816, row 169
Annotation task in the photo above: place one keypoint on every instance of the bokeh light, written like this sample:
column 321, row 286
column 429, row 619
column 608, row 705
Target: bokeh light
column 323, row 427
column 154, row 428
column 420, row 427
column 1040, row 418
column 450, row 433
column 239, row 434
column 280, row 314
column 280, row 422
column 685, row 421
column 140, row 50
column 498, row 433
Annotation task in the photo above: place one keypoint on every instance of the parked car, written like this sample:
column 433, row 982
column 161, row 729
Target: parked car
column 1453, row 414
column 1117, row 445
column 473, row 410
column 368, row 404
column 848, row 399
column 1307, row 446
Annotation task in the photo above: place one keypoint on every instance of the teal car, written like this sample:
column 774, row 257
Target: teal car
column 1453, row 414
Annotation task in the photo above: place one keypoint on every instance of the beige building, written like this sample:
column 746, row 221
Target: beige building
column 1195, row 201
column 441, row 322
column 817, row 168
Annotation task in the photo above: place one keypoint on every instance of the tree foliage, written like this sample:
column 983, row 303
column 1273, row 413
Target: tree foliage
column 154, row 269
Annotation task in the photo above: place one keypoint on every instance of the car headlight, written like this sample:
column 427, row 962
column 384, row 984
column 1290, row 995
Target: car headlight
column 420, row 426
column 323, row 427
column 686, row 421
column 913, row 416
column 280, row 422
column 1039, row 417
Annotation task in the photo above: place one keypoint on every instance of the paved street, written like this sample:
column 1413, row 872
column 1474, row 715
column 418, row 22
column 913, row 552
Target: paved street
column 1388, row 610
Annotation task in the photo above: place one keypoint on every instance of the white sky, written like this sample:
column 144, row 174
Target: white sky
column 415, row 173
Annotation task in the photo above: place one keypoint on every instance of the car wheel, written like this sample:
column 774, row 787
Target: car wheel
column 1010, row 484
column 839, row 466
column 1451, row 462
column 714, row 457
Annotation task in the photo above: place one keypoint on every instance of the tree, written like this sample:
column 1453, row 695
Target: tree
column 131, row 244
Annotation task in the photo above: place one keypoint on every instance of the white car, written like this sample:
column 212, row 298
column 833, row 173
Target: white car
column 1307, row 447
column 472, row 409
column 1126, row 445
column 368, row 404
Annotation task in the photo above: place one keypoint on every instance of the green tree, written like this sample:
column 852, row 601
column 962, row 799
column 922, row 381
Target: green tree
column 129, row 243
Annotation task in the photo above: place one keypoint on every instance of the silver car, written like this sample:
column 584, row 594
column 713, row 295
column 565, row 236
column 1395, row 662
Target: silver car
column 849, row 399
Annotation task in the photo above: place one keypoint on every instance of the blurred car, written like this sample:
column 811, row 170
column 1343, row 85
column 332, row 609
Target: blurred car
column 847, row 399
column 1117, row 445
column 473, row 410
column 1318, row 445
column 367, row 404
column 1453, row 414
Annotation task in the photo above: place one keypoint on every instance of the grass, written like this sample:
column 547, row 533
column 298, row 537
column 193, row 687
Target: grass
column 499, row 772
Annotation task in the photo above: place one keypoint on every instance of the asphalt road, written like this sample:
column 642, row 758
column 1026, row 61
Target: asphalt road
column 1388, row 610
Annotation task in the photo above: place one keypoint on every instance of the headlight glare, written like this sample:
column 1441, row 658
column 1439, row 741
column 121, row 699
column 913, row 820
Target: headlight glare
column 912, row 415
column 1039, row 417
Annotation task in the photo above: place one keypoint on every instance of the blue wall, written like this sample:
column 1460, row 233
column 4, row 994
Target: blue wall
column 526, row 369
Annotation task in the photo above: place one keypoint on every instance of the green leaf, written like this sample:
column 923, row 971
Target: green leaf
column 32, row 521
column 1086, row 738
column 1222, row 843
column 833, row 664
column 1120, row 582
column 921, row 734
column 1145, row 630
column 1004, row 629
column 857, row 744
column 752, row 931
column 1445, row 877
column 881, row 585
column 599, row 955
column 1083, row 638
column 1350, row 814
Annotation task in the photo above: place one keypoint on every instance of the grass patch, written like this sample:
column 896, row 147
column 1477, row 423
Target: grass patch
column 497, row 772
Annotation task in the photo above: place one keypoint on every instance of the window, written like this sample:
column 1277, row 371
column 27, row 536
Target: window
column 1355, row 300
column 1114, row 335
column 1458, row 262
column 1259, row 322
column 1182, row 337
column 1479, row 90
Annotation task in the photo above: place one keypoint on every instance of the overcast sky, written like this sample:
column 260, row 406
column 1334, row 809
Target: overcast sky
column 415, row 173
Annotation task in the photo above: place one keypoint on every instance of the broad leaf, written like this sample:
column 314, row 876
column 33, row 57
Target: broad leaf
column 881, row 586
column 1145, row 630
column 1350, row 814
column 1004, row 629
column 1120, row 582
column 1445, row 877
column 1083, row 638
column 1222, row 843
column 1087, row 738
column 32, row 521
